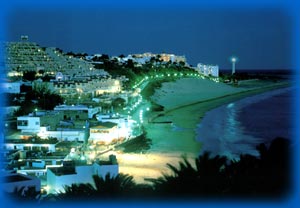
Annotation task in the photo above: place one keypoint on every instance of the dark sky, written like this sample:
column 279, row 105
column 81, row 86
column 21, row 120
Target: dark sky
column 259, row 37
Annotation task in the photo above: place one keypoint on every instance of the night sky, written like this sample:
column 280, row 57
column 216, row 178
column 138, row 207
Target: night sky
column 260, row 37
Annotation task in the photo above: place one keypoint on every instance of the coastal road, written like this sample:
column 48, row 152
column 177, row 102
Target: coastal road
column 143, row 108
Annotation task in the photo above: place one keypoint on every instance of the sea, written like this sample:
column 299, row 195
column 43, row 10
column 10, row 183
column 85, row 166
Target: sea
column 238, row 127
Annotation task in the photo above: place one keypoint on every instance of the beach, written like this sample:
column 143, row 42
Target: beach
column 186, row 101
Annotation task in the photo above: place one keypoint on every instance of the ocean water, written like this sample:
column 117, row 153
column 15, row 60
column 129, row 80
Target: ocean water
column 237, row 128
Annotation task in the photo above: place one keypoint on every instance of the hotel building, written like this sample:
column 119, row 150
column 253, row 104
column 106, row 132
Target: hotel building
column 208, row 70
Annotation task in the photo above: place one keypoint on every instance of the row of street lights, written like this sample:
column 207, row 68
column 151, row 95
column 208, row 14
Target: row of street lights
column 135, row 105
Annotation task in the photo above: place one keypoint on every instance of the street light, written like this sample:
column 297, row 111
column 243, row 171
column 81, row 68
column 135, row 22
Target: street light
column 233, row 60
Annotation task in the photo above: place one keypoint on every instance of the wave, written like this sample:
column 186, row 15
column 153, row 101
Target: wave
column 237, row 128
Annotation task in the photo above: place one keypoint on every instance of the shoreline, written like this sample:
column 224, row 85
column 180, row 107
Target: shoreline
column 207, row 105
column 180, row 136
column 172, row 141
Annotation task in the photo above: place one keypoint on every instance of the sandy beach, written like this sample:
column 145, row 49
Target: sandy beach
column 185, row 102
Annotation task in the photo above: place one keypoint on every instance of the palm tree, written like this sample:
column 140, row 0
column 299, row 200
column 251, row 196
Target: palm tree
column 206, row 179
column 177, row 183
column 25, row 194
column 265, row 176
column 80, row 191
column 103, row 188
column 243, row 176
column 118, row 186
column 211, row 180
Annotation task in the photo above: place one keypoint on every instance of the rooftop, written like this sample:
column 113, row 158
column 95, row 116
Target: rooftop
column 39, row 114
column 104, row 125
column 59, row 171
column 32, row 141
column 68, row 144
column 15, row 178
column 71, row 107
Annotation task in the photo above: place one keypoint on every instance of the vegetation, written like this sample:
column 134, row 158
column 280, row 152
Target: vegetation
column 29, row 75
column 264, row 176
column 118, row 103
column 104, row 188
column 135, row 72
column 39, row 97
column 149, row 90
column 26, row 107
column 138, row 144
column 24, row 195
column 156, row 107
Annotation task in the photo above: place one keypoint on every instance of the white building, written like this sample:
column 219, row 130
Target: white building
column 59, row 76
column 68, row 173
column 104, row 133
column 64, row 134
column 12, row 182
column 125, row 125
column 207, row 70
column 89, row 85
column 34, row 121
column 28, row 146
column 90, row 111
column 50, row 124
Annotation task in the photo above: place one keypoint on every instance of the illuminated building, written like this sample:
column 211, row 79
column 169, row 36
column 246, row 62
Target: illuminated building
column 125, row 125
column 208, row 70
column 171, row 57
column 146, row 57
column 105, row 133
column 33, row 122
column 28, row 146
column 67, row 123
column 78, row 86
column 75, row 112
column 69, row 173
column 29, row 56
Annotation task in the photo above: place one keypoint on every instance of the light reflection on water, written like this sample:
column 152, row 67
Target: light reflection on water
column 222, row 131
